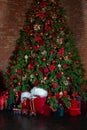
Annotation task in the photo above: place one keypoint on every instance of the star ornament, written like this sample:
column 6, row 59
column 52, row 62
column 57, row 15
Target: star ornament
column 43, row 52
column 36, row 27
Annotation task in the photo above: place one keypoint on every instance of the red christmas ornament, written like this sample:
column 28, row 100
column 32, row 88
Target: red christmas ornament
column 43, row 4
column 16, row 48
column 50, row 36
column 72, row 80
column 52, row 67
column 37, row 47
column 62, row 73
column 68, row 78
column 11, row 83
column 44, row 59
column 13, row 77
column 30, row 67
column 37, row 38
column 76, row 62
column 20, row 72
column 65, row 66
column 47, row 28
column 41, row 69
column 69, row 53
column 32, row 15
column 31, row 34
column 63, row 20
column 19, row 83
column 61, row 28
column 60, row 58
column 36, row 83
column 52, row 43
column 67, row 31
column 75, row 94
column 54, row 85
column 31, row 47
column 65, row 93
column 41, row 33
column 23, row 48
column 59, row 75
column 61, row 51
column 48, row 22
column 53, row 61
column 36, row 33
column 51, row 52
column 41, row 42
column 36, row 73
column 45, row 70
column 55, row 47
column 41, row 15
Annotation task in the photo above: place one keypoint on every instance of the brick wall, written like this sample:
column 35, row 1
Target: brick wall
column 76, row 11
column 12, row 17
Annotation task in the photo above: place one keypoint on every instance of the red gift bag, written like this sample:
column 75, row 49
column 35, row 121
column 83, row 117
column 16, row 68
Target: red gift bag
column 75, row 108
column 39, row 103
column 39, row 106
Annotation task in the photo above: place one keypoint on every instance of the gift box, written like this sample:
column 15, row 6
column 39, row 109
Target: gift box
column 75, row 108
column 75, row 103
column 75, row 111
column 59, row 112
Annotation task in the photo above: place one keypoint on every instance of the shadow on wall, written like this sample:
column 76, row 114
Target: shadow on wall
column 2, row 84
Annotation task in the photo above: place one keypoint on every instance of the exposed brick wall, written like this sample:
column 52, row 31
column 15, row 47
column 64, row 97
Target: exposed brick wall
column 12, row 17
column 76, row 11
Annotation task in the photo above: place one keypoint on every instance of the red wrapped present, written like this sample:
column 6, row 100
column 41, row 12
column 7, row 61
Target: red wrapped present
column 75, row 111
column 75, row 103
column 75, row 107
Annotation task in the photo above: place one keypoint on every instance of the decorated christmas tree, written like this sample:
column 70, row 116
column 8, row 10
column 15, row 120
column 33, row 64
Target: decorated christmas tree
column 45, row 55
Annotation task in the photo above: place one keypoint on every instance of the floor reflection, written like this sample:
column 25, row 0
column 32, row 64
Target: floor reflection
column 9, row 121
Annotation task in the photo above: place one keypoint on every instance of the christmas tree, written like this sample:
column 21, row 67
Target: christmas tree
column 45, row 55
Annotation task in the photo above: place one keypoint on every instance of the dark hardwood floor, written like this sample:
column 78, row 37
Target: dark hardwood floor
column 10, row 121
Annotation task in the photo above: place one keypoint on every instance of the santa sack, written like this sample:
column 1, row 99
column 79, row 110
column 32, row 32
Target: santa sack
column 39, row 101
column 25, row 95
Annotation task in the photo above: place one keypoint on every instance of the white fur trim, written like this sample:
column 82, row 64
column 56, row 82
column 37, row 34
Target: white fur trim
column 38, row 92
column 25, row 95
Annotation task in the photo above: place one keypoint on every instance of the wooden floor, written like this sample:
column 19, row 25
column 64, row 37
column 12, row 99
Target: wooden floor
column 10, row 121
